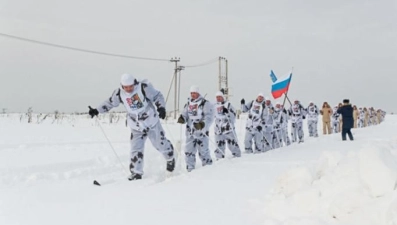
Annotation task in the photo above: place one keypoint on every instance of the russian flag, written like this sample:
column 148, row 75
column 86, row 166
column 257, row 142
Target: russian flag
column 281, row 86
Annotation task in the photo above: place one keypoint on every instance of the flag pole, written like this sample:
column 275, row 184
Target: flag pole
column 286, row 93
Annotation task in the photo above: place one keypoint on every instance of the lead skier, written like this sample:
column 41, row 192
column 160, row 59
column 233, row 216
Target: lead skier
column 144, row 105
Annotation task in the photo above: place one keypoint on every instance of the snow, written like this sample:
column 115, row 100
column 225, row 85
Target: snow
column 47, row 170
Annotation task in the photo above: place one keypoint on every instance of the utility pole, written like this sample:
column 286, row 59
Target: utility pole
column 180, row 68
column 175, row 60
column 223, row 77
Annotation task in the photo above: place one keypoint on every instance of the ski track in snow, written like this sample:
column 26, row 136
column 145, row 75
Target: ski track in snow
column 47, row 170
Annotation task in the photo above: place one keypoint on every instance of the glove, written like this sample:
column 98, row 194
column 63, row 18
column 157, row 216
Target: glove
column 93, row 112
column 259, row 128
column 242, row 101
column 304, row 117
column 199, row 125
column 225, row 110
column 181, row 120
column 161, row 112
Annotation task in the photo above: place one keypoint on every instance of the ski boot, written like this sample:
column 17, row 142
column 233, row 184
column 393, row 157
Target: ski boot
column 135, row 176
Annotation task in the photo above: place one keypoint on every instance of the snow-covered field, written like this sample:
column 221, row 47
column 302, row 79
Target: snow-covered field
column 47, row 170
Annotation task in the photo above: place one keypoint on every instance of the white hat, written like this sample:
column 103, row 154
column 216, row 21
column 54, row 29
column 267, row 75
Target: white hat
column 219, row 93
column 267, row 98
column 261, row 94
column 194, row 89
column 311, row 102
column 127, row 79
column 278, row 103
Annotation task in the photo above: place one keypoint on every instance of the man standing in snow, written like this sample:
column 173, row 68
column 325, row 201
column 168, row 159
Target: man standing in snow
column 347, row 118
column 326, row 112
column 198, row 116
column 225, row 117
column 144, row 105
column 312, row 119
column 254, row 125
column 298, row 114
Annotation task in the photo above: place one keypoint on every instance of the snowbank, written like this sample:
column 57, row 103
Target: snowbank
column 357, row 187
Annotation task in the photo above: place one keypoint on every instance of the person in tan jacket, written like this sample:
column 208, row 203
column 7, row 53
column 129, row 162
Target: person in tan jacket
column 366, row 117
column 326, row 112
column 340, row 118
column 379, row 116
column 356, row 115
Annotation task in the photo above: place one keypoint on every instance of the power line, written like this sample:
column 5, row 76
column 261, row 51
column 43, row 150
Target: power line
column 203, row 64
column 80, row 49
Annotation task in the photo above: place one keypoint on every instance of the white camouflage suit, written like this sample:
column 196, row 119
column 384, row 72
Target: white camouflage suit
column 225, row 117
column 195, row 111
column 267, row 129
column 284, row 125
column 361, row 118
column 143, row 120
column 372, row 116
column 297, row 113
column 253, row 126
column 280, row 126
column 312, row 119
column 335, row 120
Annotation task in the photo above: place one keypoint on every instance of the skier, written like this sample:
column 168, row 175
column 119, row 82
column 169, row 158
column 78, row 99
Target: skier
column 312, row 119
column 347, row 116
column 335, row 120
column 268, row 134
column 254, row 125
column 279, row 121
column 284, row 127
column 373, row 116
column 198, row 116
column 225, row 117
column 298, row 114
column 361, row 118
column 144, row 105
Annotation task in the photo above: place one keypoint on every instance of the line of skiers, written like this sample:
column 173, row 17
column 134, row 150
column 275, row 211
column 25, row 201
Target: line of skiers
column 266, row 126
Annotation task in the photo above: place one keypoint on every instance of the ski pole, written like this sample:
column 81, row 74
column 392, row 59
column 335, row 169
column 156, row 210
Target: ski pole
column 111, row 146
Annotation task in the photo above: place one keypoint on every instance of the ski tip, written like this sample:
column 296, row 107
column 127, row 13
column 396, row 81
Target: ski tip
column 97, row 183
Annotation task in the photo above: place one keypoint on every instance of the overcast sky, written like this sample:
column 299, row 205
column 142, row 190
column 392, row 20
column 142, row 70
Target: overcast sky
column 339, row 49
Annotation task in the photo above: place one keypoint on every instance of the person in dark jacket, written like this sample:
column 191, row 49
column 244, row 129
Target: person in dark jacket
column 346, row 110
